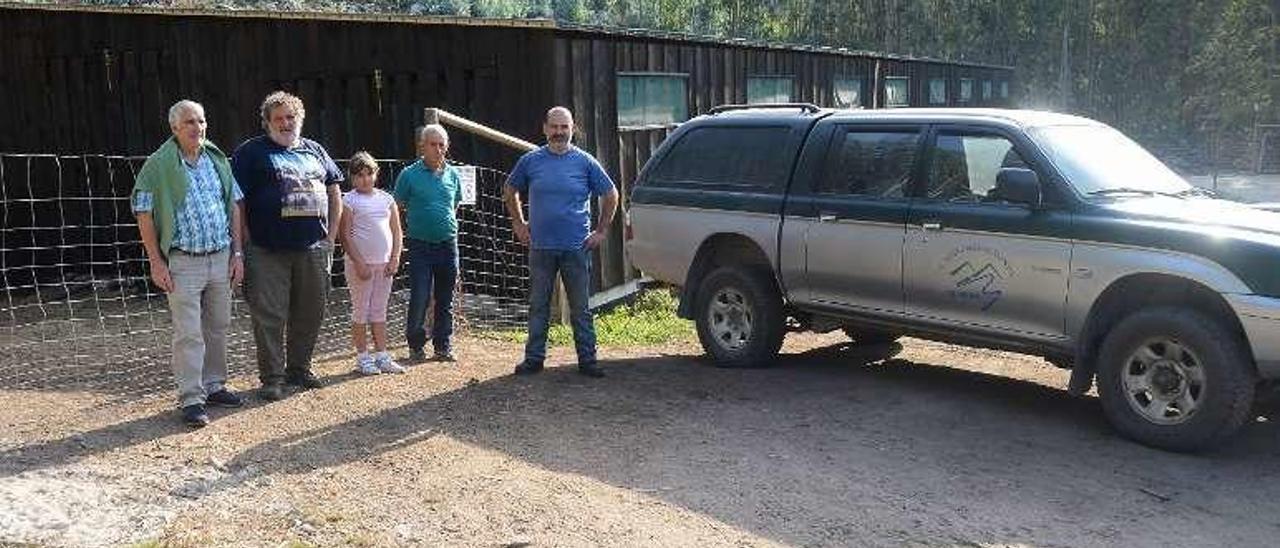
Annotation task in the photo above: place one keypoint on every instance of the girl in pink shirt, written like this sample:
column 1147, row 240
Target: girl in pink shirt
column 370, row 229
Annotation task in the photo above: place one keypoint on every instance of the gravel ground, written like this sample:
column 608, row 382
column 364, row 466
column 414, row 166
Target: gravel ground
column 920, row 444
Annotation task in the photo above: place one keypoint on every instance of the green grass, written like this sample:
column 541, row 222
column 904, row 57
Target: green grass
column 650, row 319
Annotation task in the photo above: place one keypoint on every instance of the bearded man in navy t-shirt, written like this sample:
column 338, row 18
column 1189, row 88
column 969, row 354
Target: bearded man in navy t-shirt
column 559, row 180
column 292, row 206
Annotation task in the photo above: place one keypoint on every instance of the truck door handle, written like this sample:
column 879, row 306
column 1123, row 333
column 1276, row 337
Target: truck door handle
column 825, row 217
column 931, row 225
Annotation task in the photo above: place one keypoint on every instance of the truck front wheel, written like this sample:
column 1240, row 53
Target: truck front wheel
column 739, row 316
column 1175, row 379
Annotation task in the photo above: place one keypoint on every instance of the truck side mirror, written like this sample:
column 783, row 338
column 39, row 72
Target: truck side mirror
column 1017, row 185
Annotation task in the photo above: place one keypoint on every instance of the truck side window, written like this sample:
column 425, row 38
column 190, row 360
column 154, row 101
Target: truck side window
column 870, row 163
column 738, row 156
column 964, row 166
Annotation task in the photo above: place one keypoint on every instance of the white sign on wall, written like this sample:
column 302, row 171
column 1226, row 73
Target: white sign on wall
column 467, row 174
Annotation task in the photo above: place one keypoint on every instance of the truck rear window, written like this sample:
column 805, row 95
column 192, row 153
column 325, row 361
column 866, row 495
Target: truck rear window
column 729, row 155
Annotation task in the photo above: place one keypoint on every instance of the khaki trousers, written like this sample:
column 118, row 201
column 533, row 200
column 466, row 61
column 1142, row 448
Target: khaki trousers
column 286, row 292
column 200, row 306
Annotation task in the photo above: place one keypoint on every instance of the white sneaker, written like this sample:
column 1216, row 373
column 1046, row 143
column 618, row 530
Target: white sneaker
column 366, row 365
column 385, row 364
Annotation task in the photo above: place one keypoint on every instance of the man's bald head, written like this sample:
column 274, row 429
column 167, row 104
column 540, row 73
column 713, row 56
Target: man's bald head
column 559, row 114
column 558, row 128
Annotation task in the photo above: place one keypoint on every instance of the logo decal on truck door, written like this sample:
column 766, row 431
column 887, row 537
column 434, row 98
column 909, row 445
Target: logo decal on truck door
column 978, row 275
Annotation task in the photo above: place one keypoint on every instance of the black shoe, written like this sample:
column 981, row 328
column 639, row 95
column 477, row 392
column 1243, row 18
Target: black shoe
column 443, row 356
column 195, row 416
column 304, row 380
column 591, row 370
column 528, row 368
column 271, row 392
column 224, row 398
column 416, row 356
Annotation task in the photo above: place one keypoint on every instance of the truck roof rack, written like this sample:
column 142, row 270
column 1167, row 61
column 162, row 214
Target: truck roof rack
column 807, row 107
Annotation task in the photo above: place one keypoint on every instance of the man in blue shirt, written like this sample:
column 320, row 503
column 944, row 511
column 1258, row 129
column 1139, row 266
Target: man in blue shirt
column 559, row 180
column 292, row 207
column 188, row 209
column 430, row 190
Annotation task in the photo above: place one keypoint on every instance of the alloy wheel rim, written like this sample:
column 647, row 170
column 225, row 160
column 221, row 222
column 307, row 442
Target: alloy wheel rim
column 730, row 319
column 1163, row 381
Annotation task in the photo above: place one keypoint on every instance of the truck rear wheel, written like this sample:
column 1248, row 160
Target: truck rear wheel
column 1175, row 379
column 739, row 316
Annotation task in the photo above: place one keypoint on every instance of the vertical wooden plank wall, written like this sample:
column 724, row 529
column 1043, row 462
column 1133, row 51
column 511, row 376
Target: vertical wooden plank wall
column 100, row 83
column 118, row 72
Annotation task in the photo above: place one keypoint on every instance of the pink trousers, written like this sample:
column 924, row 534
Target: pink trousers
column 368, row 297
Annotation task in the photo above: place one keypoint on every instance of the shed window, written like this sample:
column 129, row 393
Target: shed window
column 966, row 90
column 1004, row 90
column 768, row 89
column 937, row 91
column 895, row 91
column 847, row 92
column 986, row 90
column 652, row 99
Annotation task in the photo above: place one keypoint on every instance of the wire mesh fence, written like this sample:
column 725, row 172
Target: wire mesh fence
column 79, row 311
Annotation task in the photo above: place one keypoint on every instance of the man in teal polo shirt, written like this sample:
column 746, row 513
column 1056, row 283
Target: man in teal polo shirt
column 429, row 191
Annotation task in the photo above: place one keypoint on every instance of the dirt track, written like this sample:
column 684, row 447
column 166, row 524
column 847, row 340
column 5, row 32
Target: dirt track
column 924, row 444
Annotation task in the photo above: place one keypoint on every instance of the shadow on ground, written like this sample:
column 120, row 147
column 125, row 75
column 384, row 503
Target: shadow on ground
column 131, row 363
column 834, row 444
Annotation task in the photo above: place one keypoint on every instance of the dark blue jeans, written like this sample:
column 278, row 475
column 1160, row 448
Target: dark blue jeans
column 575, row 267
column 433, row 271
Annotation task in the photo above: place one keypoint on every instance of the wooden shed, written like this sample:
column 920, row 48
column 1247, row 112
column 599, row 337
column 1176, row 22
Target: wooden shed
column 98, row 80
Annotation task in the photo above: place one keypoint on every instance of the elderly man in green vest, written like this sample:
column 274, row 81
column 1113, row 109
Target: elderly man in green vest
column 188, row 208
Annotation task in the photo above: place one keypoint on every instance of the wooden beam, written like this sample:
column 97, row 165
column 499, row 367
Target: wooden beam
column 441, row 116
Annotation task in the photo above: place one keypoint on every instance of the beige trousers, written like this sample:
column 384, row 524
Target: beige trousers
column 200, row 306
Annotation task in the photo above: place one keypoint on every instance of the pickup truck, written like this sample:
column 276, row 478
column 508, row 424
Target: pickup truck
column 1035, row 232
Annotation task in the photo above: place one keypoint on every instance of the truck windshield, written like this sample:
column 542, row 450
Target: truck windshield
column 1099, row 160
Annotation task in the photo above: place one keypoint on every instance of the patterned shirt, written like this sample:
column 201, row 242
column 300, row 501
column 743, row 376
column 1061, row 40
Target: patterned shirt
column 201, row 225
column 286, row 200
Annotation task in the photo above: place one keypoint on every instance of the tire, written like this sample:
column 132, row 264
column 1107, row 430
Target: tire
column 870, row 336
column 739, row 316
column 1175, row 379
